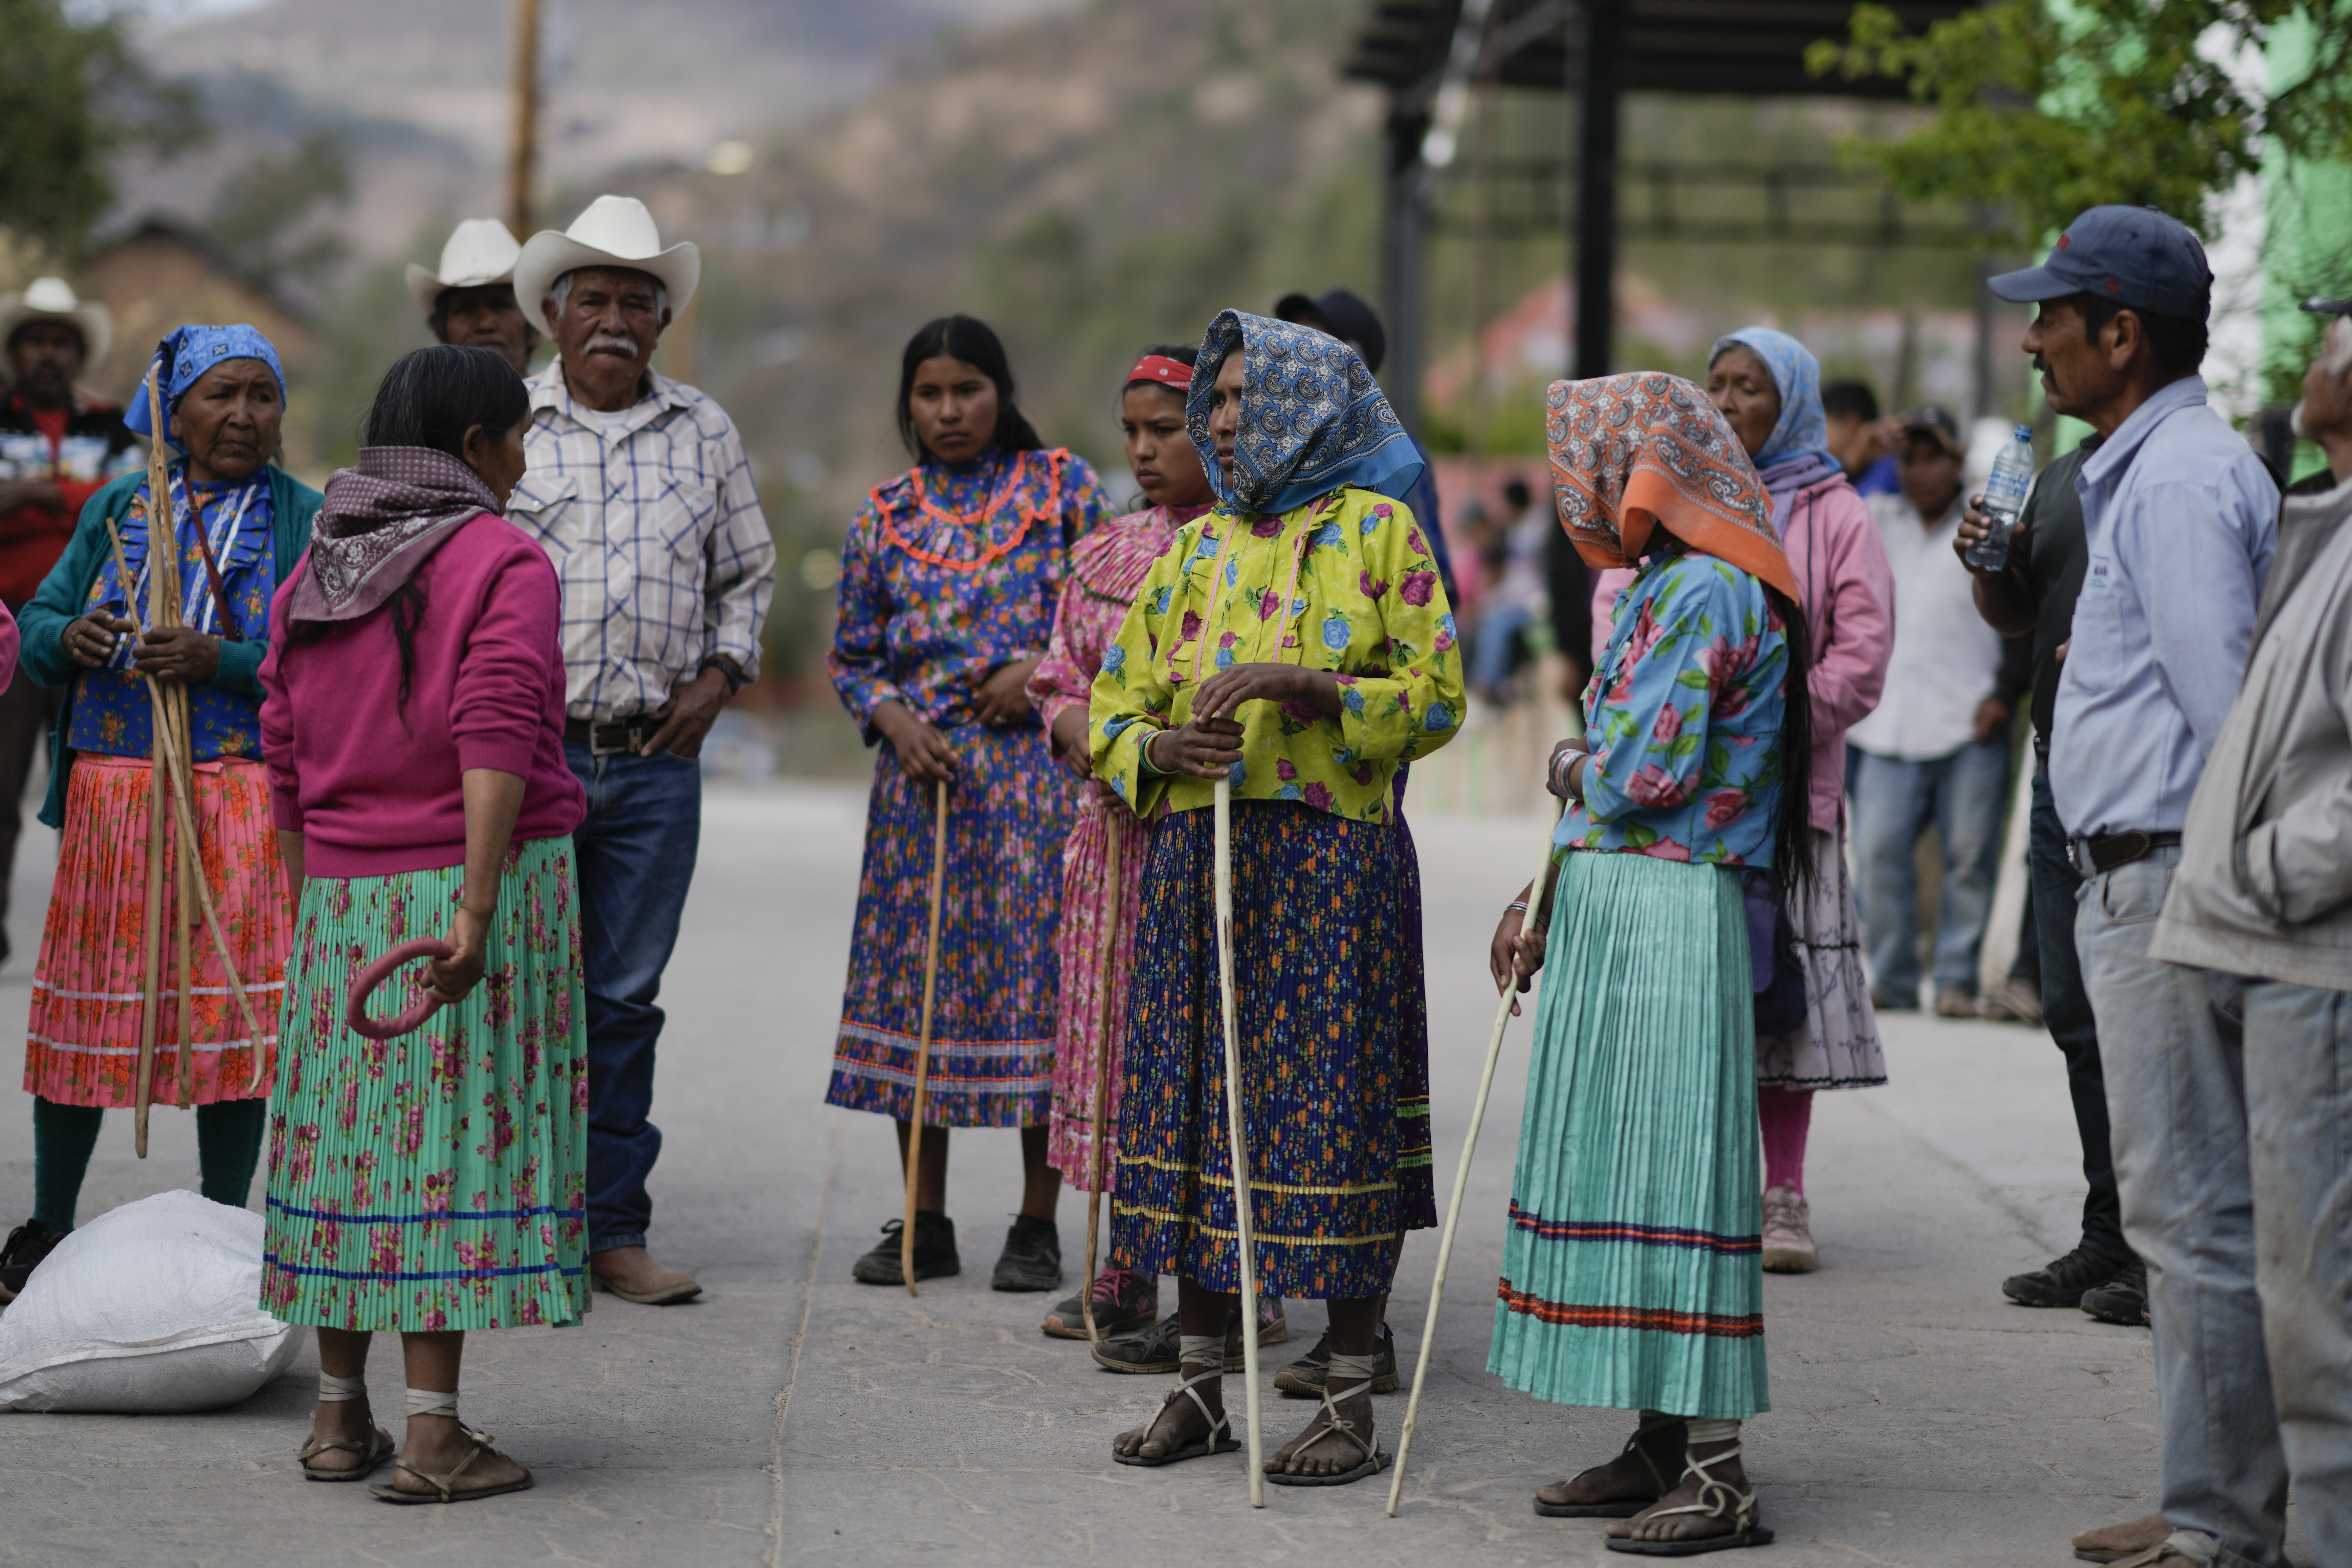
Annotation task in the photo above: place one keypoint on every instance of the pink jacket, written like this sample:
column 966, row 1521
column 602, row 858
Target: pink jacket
column 1835, row 551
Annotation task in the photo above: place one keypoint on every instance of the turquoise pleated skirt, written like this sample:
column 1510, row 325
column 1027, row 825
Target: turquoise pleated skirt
column 1633, row 1268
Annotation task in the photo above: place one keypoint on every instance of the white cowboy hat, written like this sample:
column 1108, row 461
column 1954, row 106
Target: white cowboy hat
column 615, row 231
column 480, row 251
column 53, row 299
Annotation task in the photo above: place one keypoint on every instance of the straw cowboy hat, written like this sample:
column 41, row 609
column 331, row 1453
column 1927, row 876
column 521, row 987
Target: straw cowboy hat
column 615, row 231
column 53, row 299
column 480, row 252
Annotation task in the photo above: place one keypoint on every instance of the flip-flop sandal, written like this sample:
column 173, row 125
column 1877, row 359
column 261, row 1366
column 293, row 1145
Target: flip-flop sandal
column 372, row 1454
column 1616, row 1507
column 1220, row 1440
column 1717, row 1499
column 441, row 1491
column 1375, row 1459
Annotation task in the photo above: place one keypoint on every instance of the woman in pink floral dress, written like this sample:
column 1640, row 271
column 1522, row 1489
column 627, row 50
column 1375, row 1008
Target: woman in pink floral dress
column 1106, row 569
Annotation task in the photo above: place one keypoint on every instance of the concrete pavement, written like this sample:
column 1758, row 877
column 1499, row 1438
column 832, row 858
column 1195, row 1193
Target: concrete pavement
column 795, row 1416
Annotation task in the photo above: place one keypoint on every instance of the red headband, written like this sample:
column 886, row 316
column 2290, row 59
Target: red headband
column 1168, row 372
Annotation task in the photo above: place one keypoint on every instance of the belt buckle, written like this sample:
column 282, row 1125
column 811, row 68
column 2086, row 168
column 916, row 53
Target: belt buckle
column 628, row 732
column 2078, row 854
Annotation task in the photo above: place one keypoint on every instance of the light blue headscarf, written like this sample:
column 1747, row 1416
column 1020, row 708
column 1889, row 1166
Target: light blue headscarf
column 184, row 356
column 1803, row 431
column 1312, row 418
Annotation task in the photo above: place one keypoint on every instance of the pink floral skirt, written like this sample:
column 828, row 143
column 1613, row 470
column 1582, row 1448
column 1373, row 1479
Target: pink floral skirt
column 1088, row 901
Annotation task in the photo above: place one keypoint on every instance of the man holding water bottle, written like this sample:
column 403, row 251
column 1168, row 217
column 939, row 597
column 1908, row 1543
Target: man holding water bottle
column 2179, row 520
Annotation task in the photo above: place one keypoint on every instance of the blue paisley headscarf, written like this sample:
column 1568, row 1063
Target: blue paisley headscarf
column 1312, row 418
column 1803, row 431
column 184, row 356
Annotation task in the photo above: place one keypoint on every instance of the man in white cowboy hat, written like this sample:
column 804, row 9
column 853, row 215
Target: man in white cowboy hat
column 639, row 489
column 57, row 447
column 470, row 302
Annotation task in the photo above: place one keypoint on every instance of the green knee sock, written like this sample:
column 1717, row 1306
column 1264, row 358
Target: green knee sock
column 63, row 1137
column 228, row 1147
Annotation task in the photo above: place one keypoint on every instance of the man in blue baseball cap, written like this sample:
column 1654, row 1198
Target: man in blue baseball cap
column 2179, row 520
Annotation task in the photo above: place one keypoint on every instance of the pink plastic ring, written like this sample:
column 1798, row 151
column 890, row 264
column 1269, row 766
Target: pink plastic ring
column 382, row 969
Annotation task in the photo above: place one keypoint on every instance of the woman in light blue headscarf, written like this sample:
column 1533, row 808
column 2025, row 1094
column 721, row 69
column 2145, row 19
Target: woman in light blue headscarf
column 1768, row 386
column 238, row 525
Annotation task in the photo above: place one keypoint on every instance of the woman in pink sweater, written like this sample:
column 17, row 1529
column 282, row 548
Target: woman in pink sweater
column 413, row 725
column 1768, row 386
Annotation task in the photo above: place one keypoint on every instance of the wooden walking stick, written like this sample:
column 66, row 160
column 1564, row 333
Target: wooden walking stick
column 1111, row 907
column 923, row 1057
column 1244, row 1234
column 1461, row 1179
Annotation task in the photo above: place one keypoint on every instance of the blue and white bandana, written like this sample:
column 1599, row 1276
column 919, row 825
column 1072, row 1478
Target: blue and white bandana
column 1312, row 418
column 1803, row 431
column 185, row 355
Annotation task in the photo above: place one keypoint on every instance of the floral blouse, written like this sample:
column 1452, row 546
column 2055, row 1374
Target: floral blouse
column 111, row 711
column 1684, row 714
column 949, row 573
column 1344, row 582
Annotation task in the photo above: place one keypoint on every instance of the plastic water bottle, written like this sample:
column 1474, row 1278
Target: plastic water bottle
column 2004, row 499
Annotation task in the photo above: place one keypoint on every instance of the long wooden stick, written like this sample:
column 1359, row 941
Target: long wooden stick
column 1244, row 1232
column 173, row 757
column 1110, row 908
column 185, row 920
column 1462, row 1178
column 923, row 1056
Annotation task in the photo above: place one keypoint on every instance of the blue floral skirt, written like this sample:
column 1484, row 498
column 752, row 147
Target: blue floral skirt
column 999, row 990
column 1334, row 1046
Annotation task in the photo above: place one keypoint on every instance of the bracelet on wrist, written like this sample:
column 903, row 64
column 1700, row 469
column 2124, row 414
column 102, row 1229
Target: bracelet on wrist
column 1150, row 766
column 1516, row 904
column 728, row 669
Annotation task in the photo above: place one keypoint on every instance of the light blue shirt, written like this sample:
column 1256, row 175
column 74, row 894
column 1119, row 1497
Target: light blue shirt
column 2179, row 519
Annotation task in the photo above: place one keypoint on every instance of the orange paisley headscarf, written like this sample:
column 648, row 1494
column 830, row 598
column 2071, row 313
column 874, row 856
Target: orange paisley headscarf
column 1635, row 452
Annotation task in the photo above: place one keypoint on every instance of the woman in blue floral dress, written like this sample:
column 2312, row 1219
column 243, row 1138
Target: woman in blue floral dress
column 950, row 580
column 1632, row 1264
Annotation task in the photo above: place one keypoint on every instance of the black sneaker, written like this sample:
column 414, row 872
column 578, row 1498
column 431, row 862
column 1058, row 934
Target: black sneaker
column 935, row 1252
column 27, row 1245
column 2123, row 1300
column 1031, row 1258
column 1305, row 1377
column 1155, row 1350
column 1124, row 1301
column 2062, row 1281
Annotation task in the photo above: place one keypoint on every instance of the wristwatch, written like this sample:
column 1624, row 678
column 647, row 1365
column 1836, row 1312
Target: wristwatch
column 724, row 665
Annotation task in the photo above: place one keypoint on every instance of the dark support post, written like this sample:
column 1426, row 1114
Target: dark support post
column 1595, row 82
column 1400, row 246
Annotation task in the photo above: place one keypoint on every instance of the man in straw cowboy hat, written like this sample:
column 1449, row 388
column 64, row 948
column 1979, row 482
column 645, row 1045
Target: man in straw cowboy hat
column 58, row 447
column 640, row 492
column 470, row 302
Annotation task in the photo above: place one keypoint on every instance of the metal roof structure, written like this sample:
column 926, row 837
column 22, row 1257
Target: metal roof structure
column 1425, row 53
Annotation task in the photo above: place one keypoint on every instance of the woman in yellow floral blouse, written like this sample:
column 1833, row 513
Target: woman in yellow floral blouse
column 1298, row 641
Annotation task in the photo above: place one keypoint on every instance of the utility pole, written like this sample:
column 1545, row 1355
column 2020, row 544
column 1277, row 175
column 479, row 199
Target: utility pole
column 521, row 167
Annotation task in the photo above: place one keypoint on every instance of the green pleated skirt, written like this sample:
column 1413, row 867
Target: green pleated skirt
column 1633, row 1267
column 436, row 1181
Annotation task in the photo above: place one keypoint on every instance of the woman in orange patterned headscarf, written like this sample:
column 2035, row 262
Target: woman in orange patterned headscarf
column 1631, row 1269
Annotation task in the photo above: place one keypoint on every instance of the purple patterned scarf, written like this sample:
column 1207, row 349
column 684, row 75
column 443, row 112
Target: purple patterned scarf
column 382, row 522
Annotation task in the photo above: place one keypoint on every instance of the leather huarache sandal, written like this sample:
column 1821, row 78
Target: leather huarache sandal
column 1375, row 1459
column 1220, row 1440
column 442, row 1491
column 1717, row 1499
column 372, row 1454
column 1622, row 1507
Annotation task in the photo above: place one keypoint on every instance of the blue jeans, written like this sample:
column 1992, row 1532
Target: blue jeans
column 2299, row 1124
column 636, row 859
column 1893, row 802
column 2175, row 1059
column 2067, row 1011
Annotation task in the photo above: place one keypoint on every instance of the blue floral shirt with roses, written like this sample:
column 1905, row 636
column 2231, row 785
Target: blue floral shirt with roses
column 1684, row 719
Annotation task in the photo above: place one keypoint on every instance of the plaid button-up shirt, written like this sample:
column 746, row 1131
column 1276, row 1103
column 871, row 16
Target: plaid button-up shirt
column 656, row 529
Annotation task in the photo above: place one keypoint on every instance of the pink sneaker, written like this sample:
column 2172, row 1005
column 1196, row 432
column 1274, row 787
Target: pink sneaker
column 1788, row 1232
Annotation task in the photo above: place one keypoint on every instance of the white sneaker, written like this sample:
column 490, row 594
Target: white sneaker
column 1788, row 1234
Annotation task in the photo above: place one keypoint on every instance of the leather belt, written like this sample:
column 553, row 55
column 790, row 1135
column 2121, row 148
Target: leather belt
column 611, row 737
column 2109, row 850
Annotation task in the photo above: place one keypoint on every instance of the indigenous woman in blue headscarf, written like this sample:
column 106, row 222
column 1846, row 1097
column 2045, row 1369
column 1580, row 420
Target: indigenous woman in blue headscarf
column 237, row 525
column 1297, row 641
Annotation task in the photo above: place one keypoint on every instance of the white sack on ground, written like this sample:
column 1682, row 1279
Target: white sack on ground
column 152, row 1306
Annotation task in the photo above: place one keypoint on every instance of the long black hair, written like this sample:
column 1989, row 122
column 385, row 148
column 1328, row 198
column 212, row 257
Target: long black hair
column 431, row 398
column 971, row 340
column 1792, row 844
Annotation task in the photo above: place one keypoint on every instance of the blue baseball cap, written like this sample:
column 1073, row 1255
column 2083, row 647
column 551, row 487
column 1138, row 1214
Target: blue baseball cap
column 2137, row 257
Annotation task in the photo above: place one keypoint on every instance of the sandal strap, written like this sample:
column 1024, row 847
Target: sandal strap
column 1717, row 1499
column 1334, row 1422
column 1220, row 1426
column 1634, row 1446
column 481, row 1445
column 317, row 1445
